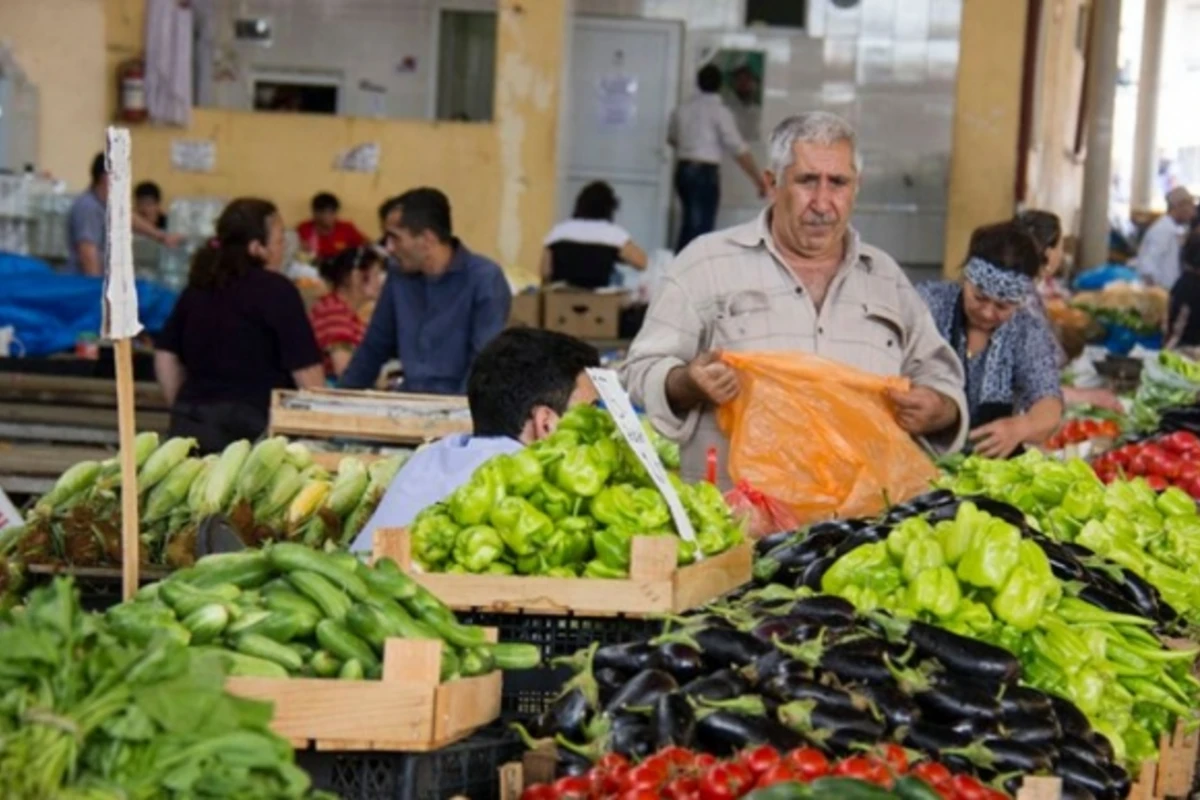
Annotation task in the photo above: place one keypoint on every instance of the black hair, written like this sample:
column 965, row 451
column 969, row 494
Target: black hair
column 325, row 201
column 337, row 269
column 387, row 207
column 148, row 190
column 227, row 256
column 1044, row 227
column 1191, row 251
column 521, row 369
column 426, row 209
column 709, row 79
column 99, row 168
column 597, row 200
column 1009, row 246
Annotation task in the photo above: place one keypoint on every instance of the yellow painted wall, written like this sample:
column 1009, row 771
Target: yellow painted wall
column 987, row 110
column 501, row 177
column 60, row 46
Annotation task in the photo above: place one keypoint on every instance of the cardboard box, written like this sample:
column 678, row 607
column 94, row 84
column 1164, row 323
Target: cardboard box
column 585, row 315
column 526, row 310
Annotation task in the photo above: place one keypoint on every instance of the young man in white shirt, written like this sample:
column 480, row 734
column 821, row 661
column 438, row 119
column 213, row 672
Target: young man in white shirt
column 1158, row 255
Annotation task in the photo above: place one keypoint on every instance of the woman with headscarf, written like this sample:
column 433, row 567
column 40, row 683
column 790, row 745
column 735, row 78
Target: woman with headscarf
column 1007, row 350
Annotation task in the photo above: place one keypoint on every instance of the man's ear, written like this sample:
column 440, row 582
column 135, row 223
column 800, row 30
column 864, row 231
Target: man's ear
column 543, row 420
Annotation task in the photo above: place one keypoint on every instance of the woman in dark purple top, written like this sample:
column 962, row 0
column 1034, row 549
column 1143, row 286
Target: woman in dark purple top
column 238, row 331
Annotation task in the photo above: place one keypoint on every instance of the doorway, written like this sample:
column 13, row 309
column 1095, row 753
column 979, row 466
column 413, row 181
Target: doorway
column 466, row 65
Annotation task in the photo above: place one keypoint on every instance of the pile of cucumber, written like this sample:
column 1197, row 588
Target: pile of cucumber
column 288, row 610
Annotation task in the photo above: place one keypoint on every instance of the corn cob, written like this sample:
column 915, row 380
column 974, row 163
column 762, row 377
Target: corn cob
column 171, row 492
column 144, row 445
column 382, row 472
column 260, row 466
column 306, row 503
column 358, row 518
column 77, row 479
column 287, row 482
column 196, row 490
column 162, row 461
column 298, row 455
column 222, row 480
column 348, row 488
column 316, row 532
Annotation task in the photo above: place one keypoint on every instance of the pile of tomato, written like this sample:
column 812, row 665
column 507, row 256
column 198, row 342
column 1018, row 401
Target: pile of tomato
column 1077, row 431
column 676, row 773
column 1171, row 460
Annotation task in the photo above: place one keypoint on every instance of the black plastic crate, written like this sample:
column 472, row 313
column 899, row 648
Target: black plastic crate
column 469, row 768
column 99, row 587
column 525, row 693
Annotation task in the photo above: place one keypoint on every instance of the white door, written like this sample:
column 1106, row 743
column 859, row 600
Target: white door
column 624, row 84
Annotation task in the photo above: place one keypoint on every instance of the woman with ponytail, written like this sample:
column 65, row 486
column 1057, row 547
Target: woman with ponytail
column 238, row 331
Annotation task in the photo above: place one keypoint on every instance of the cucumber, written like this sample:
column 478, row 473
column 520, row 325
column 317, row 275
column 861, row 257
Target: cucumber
column 283, row 598
column 388, row 580
column 184, row 599
column 344, row 559
column 329, row 598
column 352, row 670
column 206, row 623
column 476, row 661
column 324, row 664
column 371, row 624
column 247, row 666
column 245, row 569
column 515, row 655
column 450, row 663
column 246, row 621
column 279, row 626
column 292, row 558
column 334, row 637
column 304, row 651
column 427, row 609
column 399, row 620
column 252, row 644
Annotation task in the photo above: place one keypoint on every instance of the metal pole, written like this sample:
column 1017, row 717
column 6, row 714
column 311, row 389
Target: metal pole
column 1145, row 139
column 1097, row 170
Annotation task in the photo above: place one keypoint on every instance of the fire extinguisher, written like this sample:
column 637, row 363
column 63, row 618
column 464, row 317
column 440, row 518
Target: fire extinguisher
column 131, row 91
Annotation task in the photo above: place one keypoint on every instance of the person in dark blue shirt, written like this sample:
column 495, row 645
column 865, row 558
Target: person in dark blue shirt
column 438, row 311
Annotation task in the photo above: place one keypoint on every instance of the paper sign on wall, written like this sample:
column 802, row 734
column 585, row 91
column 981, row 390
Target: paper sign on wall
column 194, row 155
column 362, row 158
column 9, row 516
column 119, row 306
column 608, row 386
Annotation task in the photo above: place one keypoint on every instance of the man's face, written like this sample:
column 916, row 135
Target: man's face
column 412, row 250
column 814, row 198
column 325, row 219
column 148, row 208
column 1183, row 210
column 543, row 420
column 391, row 220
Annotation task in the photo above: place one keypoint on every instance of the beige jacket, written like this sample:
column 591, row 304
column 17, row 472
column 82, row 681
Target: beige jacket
column 731, row 290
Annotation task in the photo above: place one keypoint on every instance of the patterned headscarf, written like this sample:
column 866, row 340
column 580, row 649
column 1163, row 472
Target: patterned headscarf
column 996, row 283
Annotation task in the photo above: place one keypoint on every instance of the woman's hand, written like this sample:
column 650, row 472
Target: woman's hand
column 1000, row 438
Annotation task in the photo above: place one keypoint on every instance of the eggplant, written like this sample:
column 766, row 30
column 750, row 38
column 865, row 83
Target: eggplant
column 567, row 715
column 897, row 709
column 815, row 718
column 767, row 665
column 951, row 701
column 1122, row 783
column 631, row 735
column 684, row 662
column 814, row 572
column 857, row 662
column 568, row 763
column 935, row 499
column 629, row 657
column 1003, row 755
column 996, row 508
column 826, row 609
column 1073, row 791
column 1087, row 776
column 765, row 545
column 1072, row 721
column 723, row 733
column 1101, row 743
column 1032, row 728
column 673, row 721
column 964, row 655
column 1024, row 700
column 931, row 738
column 724, row 648
column 723, row 684
column 1063, row 563
column 1079, row 747
column 786, row 688
column 642, row 690
column 609, row 681
column 1138, row 591
column 900, row 512
column 790, row 625
column 975, row 728
column 871, row 535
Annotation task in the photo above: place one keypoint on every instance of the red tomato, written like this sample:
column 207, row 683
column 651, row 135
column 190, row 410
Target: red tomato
column 783, row 772
column 725, row 781
column 761, row 758
column 1055, row 442
column 1191, row 485
column 703, row 761
column 1110, row 429
column 895, row 757
column 993, row 794
column 1087, row 429
column 676, row 758
column 1122, row 456
column 640, row 794
column 612, row 761
column 809, row 763
column 1140, row 464
column 575, row 787
column 1181, row 442
column 539, row 791
column 967, row 788
column 932, row 773
column 683, row 788
column 644, row 776
column 605, row 782
column 867, row 769
column 1157, row 482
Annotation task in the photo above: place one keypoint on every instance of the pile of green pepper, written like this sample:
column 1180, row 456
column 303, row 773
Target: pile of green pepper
column 567, row 506
column 976, row 576
column 1154, row 536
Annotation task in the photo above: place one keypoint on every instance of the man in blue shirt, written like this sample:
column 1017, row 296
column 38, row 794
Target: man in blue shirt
column 519, row 386
column 437, row 312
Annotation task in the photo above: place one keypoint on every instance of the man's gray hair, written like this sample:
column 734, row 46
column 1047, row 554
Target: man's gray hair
column 817, row 127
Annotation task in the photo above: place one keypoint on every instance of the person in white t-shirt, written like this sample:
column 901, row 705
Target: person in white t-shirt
column 1158, row 255
column 584, row 250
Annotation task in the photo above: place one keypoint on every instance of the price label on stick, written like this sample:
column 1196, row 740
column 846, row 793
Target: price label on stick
column 608, row 386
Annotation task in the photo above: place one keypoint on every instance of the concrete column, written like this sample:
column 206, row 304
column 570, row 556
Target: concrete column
column 1145, row 140
column 1097, row 170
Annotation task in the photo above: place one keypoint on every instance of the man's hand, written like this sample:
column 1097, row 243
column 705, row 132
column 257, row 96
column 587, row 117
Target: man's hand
column 171, row 240
column 1000, row 438
column 921, row 411
column 706, row 379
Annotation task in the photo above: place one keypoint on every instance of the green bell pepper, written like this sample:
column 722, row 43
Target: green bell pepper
column 921, row 555
column 523, row 528
column 472, row 502
column 935, row 590
column 992, row 556
column 432, row 536
column 552, row 501
column 686, row 553
column 1022, row 599
column 712, row 541
column 582, row 471
column 608, row 453
column 865, row 600
column 613, row 546
column 597, row 569
column 590, row 423
column 1175, row 502
column 477, row 547
column 852, row 568
column 651, row 509
column 533, row 564
column 954, row 539
column 560, row 572
column 522, row 472
column 499, row 568
column 973, row 616
column 904, row 534
column 615, row 506
column 1083, row 501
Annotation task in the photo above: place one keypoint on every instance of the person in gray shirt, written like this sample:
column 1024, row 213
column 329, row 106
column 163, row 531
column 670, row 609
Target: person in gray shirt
column 87, row 236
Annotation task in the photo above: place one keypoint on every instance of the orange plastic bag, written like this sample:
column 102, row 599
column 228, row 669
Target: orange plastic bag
column 820, row 436
column 760, row 514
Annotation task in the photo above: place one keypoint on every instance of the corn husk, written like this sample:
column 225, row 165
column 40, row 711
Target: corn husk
column 348, row 488
column 222, row 480
column 171, row 493
column 266, row 457
column 162, row 461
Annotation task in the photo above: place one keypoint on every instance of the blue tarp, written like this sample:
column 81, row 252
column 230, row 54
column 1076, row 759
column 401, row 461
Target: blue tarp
column 50, row 310
column 1097, row 278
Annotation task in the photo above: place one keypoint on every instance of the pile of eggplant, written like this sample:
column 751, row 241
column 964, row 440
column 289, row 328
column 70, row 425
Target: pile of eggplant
column 778, row 667
column 801, row 558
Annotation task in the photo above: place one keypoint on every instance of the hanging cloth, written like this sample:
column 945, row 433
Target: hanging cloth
column 169, row 61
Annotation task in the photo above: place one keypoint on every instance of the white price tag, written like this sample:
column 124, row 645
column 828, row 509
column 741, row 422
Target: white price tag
column 9, row 515
column 119, row 319
column 609, row 387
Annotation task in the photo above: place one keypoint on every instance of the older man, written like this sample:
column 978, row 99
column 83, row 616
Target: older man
column 1158, row 255
column 796, row 278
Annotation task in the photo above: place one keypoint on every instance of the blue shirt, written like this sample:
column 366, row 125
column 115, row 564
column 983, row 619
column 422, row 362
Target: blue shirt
column 85, row 223
column 430, row 476
column 435, row 326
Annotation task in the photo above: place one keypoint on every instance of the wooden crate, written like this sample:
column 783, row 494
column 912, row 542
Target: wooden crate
column 368, row 416
column 655, row 584
column 407, row 709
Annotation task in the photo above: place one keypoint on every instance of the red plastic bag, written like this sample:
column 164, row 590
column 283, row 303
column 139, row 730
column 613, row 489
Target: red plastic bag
column 762, row 514
column 820, row 436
